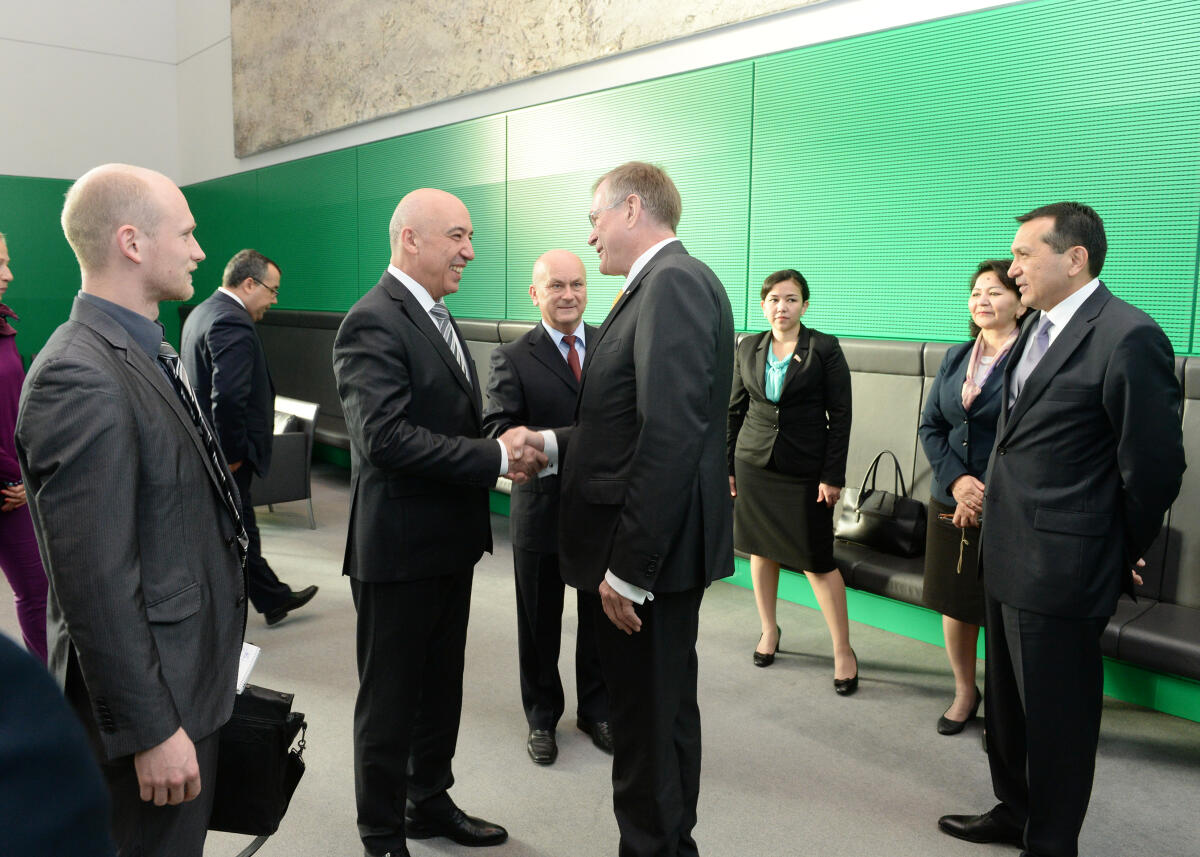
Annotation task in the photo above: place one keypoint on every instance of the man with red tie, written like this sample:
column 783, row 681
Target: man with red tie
column 534, row 382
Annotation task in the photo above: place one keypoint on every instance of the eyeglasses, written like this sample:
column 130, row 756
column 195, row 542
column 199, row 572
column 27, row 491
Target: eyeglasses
column 592, row 215
column 272, row 289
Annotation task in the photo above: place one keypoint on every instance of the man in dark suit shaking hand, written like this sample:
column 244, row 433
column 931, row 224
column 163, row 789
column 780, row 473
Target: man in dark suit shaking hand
column 1088, row 458
column 646, row 515
column 227, row 365
column 419, row 521
column 534, row 382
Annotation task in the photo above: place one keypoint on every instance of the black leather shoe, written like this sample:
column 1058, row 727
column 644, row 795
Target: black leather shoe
column 847, row 686
column 600, row 731
column 981, row 828
column 946, row 726
column 457, row 827
column 294, row 601
column 765, row 660
column 542, row 747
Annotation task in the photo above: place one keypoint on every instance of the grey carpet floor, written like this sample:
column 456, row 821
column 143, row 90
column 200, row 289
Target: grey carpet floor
column 789, row 767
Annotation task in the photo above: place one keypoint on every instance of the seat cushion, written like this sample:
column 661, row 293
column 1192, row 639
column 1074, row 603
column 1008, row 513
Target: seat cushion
column 1165, row 637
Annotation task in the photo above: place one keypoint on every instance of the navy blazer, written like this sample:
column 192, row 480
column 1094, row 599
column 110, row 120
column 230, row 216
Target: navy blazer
column 955, row 440
column 227, row 365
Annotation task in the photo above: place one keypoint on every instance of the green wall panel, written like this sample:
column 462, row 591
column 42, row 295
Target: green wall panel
column 45, row 274
column 226, row 212
column 886, row 166
column 696, row 125
column 467, row 160
column 308, row 223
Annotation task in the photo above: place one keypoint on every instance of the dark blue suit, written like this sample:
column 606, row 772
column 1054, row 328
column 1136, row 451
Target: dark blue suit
column 227, row 365
column 52, row 797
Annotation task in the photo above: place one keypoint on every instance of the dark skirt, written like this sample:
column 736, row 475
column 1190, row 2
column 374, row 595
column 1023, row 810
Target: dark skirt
column 778, row 517
column 952, row 590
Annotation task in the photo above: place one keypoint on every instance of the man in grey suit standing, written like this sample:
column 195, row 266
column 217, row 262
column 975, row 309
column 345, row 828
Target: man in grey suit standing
column 136, row 516
column 1088, row 458
column 535, row 381
column 420, row 472
column 646, row 517
column 227, row 366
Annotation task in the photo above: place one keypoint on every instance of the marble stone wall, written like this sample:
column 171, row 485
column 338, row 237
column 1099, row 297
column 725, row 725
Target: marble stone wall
column 303, row 67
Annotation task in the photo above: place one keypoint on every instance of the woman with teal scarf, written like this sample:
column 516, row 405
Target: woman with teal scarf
column 788, row 434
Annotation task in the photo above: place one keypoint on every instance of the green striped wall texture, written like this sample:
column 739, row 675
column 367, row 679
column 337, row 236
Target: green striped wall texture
column 883, row 166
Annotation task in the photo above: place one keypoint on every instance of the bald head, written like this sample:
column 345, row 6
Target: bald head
column 104, row 199
column 132, row 233
column 559, row 289
column 430, row 237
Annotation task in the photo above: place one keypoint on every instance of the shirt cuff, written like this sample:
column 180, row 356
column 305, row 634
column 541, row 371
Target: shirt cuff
column 634, row 593
column 551, row 452
column 503, row 457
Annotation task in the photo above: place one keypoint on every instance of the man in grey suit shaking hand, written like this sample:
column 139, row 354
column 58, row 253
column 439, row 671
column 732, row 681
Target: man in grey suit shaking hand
column 136, row 516
column 1088, row 457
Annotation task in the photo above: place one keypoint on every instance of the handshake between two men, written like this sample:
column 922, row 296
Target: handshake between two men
column 526, row 450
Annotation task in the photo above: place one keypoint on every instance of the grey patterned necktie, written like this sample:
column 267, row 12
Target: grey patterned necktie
column 441, row 317
column 1034, row 352
column 170, row 361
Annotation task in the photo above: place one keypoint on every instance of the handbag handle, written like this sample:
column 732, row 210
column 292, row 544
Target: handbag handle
column 870, row 475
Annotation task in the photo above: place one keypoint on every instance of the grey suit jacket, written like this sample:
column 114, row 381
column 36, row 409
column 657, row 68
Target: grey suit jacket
column 645, row 484
column 146, row 584
column 420, row 467
column 1085, row 464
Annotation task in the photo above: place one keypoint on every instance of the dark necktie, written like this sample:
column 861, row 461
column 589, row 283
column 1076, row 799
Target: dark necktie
column 441, row 317
column 573, row 355
column 168, row 357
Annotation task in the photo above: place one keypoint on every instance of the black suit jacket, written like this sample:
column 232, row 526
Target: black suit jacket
column 532, row 385
column 807, row 432
column 957, row 441
column 1086, row 463
column 227, row 366
column 645, row 486
column 420, row 465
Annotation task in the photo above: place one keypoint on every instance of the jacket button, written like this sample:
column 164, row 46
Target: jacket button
column 964, row 443
column 1001, row 450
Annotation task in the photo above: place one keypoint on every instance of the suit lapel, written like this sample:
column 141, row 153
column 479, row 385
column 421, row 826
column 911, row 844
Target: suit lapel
column 1064, row 345
column 148, row 370
column 543, row 350
column 421, row 320
column 799, row 359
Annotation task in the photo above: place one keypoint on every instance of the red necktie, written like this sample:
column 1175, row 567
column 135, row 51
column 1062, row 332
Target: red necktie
column 573, row 355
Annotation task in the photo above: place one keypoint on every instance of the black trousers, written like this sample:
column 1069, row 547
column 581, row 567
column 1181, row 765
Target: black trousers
column 539, row 635
column 142, row 829
column 1045, row 690
column 266, row 591
column 651, row 679
column 411, row 642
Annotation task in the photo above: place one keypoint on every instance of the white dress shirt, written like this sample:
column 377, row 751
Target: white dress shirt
column 426, row 301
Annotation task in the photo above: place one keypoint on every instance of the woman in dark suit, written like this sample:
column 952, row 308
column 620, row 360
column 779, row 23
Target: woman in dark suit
column 788, row 432
column 958, row 429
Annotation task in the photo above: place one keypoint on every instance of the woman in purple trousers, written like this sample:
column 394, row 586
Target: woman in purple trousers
column 19, row 555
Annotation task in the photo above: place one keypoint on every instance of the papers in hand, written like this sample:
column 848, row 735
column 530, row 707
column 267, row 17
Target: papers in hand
column 246, row 664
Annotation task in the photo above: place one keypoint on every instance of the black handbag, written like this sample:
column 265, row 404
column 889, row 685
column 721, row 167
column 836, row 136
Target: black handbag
column 257, row 768
column 888, row 521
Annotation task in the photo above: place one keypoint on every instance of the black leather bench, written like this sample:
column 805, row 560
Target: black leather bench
column 1160, row 631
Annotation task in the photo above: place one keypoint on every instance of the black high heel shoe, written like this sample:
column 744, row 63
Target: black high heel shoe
column 946, row 726
column 761, row 660
column 847, row 686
